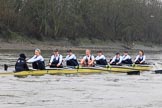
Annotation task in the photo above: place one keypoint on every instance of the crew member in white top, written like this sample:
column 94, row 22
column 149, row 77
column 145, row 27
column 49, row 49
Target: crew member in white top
column 140, row 58
column 88, row 60
column 126, row 59
column 100, row 59
column 71, row 59
column 37, row 60
column 117, row 59
column 56, row 60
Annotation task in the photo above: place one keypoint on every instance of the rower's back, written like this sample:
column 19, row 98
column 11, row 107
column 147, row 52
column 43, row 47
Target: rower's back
column 21, row 64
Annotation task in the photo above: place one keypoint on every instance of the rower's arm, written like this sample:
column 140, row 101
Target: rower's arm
column 60, row 60
column 67, row 58
column 92, row 61
column 72, row 57
column 97, row 58
column 120, row 60
column 83, row 59
column 51, row 60
column 136, row 58
column 126, row 58
column 103, row 57
column 144, row 58
column 32, row 59
column 113, row 60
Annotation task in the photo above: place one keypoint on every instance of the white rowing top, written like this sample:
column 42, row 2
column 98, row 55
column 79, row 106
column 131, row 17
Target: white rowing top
column 59, row 57
column 115, row 58
column 88, row 57
column 100, row 57
column 35, row 58
column 68, row 57
column 141, row 57
column 126, row 57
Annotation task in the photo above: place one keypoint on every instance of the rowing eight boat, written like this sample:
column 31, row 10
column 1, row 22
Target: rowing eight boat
column 81, row 70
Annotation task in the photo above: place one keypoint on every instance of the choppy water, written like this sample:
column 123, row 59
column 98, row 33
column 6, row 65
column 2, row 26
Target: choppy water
column 78, row 91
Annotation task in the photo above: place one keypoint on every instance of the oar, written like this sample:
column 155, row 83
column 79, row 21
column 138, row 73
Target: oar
column 157, row 66
column 159, row 63
column 133, row 73
column 6, row 73
column 158, row 71
column 104, row 66
column 114, row 66
column 79, row 67
column 7, row 66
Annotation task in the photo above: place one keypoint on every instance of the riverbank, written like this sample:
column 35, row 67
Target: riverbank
column 109, row 46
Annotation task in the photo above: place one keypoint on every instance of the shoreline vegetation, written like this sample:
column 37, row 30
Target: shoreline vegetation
column 120, row 23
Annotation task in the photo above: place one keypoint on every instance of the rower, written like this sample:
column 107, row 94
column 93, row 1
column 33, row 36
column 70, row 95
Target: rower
column 37, row 60
column 71, row 59
column 100, row 59
column 21, row 64
column 126, row 59
column 56, row 60
column 88, row 60
column 117, row 59
column 140, row 58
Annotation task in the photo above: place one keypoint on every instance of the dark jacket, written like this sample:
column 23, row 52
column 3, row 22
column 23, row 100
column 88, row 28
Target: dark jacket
column 21, row 65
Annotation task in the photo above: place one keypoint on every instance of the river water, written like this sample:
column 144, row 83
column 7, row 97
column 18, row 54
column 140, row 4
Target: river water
column 81, row 91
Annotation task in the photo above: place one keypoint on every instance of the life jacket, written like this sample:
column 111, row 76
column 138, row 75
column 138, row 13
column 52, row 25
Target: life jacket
column 21, row 65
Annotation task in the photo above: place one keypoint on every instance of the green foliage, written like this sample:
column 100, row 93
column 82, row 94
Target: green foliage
column 122, row 20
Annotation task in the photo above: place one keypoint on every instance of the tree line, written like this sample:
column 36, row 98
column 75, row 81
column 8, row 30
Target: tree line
column 122, row 20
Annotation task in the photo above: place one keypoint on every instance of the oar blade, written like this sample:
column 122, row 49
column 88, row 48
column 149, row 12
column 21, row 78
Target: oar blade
column 133, row 73
column 5, row 67
column 158, row 71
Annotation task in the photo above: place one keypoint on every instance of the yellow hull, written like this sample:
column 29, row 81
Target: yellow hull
column 136, row 67
column 56, row 72
column 68, row 71
column 81, row 70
